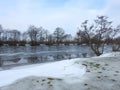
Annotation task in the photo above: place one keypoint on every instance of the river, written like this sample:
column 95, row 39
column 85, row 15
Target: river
column 19, row 55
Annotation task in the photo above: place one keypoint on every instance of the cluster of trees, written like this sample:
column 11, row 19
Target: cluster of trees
column 34, row 36
column 95, row 35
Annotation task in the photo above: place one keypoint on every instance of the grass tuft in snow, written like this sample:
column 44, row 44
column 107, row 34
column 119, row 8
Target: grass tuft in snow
column 113, row 80
column 85, row 84
column 98, row 77
column 43, row 80
column 97, row 65
column 106, row 64
column 53, row 78
column 49, row 82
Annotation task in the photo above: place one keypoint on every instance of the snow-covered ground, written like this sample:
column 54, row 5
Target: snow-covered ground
column 97, row 73
column 60, row 69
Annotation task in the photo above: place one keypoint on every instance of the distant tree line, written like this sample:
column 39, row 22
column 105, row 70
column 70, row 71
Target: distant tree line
column 95, row 35
column 34, row 36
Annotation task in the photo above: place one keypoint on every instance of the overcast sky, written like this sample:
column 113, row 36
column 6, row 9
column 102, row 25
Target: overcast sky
column 68, row 14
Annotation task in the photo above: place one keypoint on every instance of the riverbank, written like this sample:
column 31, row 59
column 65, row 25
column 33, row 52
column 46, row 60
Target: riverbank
column 98, row 73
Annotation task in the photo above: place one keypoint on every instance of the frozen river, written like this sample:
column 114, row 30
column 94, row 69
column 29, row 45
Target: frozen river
column 39, row 54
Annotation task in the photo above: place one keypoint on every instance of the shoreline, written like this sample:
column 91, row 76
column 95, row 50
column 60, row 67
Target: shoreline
column 102, row 73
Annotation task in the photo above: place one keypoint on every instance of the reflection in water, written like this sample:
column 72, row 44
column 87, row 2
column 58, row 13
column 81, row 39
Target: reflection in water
column 39, row 54
column 33, row 59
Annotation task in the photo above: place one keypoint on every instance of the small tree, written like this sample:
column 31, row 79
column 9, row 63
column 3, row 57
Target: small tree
column 94, row 35
column 43, row 35
column 67, row 39
column 50, row 39
column 33, row 33
column 13, row 37
column 59, row 35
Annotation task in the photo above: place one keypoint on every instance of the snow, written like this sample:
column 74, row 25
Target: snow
column 61, row 69
column 66, row 75
column 110, row 54
column 50, row 57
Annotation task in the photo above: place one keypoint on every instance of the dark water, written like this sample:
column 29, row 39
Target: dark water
column 39, row 54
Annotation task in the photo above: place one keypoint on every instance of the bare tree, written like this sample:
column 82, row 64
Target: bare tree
column 33, row 33
column 67, row 39
column 24, row 36
column 94, row 35
column 43, row 35
column 83, row 34
column 23, row 39
column 15, row 35
column 78, row 37
column 59, row 35
column 50, row 39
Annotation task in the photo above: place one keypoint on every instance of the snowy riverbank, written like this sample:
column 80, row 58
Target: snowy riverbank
column 99, row 73
column 60, row 69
